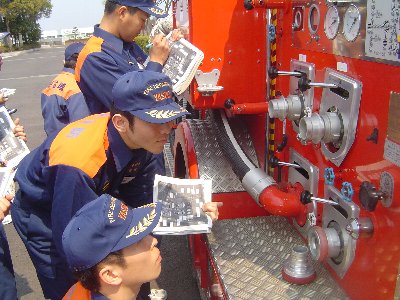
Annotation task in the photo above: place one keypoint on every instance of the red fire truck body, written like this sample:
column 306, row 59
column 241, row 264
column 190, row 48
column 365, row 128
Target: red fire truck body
column 315, row 85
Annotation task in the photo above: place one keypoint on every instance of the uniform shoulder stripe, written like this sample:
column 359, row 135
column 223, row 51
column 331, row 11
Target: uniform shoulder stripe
column 64, row 85
column 77, row 292
column 92, row 45
column 82, row 144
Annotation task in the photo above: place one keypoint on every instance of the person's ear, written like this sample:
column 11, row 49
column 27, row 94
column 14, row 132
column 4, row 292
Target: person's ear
column 122, row 11
column 121, row 123
column 110, row 275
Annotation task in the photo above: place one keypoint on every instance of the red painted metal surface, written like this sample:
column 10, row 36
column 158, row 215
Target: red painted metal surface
column 373, row 273
column 238, row 205
column 234, row 41
column 249, row 108
column 281, row 203
column 271, row 4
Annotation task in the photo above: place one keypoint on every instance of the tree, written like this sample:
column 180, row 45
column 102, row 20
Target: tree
column 21, row 17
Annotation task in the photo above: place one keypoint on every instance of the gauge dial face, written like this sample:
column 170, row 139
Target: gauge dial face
column 331, row 23
column 314, row 17
column 298, row 19
column 351, row 23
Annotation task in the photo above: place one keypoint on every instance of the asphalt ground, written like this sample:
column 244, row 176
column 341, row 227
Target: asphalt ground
column 29, row 72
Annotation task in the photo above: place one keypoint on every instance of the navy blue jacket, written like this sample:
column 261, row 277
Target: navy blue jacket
column 62, row 102
column 86, row 159
column 101, row 62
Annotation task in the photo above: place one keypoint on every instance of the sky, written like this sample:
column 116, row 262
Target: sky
column 67, row 14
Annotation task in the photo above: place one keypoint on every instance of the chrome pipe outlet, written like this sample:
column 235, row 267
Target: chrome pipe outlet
column 291, row 107
column 327, row 127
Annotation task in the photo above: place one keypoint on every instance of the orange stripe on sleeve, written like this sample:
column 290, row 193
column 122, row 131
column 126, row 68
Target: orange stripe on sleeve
column 63, row 85
column 92, row 45
column 77, row 292
column 82, row 144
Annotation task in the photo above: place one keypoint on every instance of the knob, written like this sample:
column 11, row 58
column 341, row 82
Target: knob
column 369, row 196
column 229, row 103
column 324, row 243
column 329, row 176
column 248, row 4
column 360, row 227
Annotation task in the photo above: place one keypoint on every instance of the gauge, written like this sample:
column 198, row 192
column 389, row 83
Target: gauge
column 298, row 20
column 351, row 23
column 331, row 23
column 314, row 17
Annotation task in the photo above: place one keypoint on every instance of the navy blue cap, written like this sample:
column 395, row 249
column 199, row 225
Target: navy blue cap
column 148, row 6
column 103, row 226
column 148, row 96
column 72, row 49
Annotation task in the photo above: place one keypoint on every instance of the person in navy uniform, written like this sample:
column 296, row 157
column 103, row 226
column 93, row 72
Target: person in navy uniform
column 127, row 253
column 110, row 153
column 112, row 52
column 62, row 101
column 8, row 290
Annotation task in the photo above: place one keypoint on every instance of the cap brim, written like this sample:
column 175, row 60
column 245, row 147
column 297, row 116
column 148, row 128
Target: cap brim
column 161, row 114
column 155, row 11
column 136, row 233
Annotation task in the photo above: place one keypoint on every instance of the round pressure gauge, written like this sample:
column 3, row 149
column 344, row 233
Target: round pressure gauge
column 351, row 23
column 331, row 23
column 314, row 17
column 298, row 19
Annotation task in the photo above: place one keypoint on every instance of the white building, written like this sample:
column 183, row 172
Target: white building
column 55, row 37
column 48, row 34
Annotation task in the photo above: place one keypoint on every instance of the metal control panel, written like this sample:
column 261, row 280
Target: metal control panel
column 338, row 217
column 363, row 29
column 335, row 124
column 345, row 100
column 309, row 70
column 308, row 177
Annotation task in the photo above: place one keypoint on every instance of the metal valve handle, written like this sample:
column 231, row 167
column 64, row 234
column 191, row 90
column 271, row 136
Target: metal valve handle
column 305, row 84
column 306, row 197
column 273, row 72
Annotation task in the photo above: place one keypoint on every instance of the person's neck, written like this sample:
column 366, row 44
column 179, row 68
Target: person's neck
column 120, row 292
column 110, row 25
column 128, row 141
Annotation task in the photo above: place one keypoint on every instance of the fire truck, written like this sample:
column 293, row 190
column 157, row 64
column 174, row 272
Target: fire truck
column 297, row 107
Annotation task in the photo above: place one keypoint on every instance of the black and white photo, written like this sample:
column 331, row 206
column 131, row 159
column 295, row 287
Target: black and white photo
column 12, row 149
column 182, row 201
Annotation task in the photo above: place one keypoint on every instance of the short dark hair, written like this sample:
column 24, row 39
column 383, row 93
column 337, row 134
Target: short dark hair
column 129, row 116
column 90, row 278
column 71, row 63
column 110, row 6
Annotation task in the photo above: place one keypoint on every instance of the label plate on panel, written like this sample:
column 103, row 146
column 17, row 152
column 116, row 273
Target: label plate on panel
column 392, row 152
column 393, row 131
column 381, row 29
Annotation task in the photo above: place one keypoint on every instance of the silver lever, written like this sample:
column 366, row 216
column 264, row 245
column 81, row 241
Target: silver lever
column 306, row 197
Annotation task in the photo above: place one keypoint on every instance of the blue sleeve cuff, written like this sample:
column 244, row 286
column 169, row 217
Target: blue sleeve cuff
column 154, row 66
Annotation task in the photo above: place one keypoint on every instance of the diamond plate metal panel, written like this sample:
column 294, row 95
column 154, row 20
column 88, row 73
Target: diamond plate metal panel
column 169, row 160
column 249, row 254
column 212, row 162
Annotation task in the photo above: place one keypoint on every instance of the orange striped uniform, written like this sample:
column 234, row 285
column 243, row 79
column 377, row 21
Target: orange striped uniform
column 62, row 102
